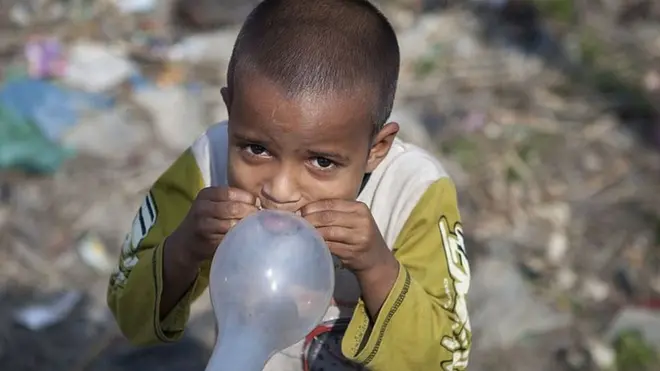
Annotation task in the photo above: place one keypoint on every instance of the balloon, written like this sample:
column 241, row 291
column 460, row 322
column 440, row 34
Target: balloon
column 271, row 282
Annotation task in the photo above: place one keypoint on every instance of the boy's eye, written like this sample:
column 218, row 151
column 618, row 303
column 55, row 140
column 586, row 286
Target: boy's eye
column 322, row 162
column 256, row 149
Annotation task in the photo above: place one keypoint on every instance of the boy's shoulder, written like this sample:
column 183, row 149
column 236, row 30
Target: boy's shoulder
column 406, row 170
column 398, row 184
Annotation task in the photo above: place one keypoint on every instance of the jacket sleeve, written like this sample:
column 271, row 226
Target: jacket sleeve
column 423, row 324
column 136, row 285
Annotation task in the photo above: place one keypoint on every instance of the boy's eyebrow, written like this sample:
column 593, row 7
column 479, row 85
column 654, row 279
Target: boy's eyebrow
column 247, row 138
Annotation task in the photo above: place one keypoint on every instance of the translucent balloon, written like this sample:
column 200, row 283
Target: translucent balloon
column 271, row 282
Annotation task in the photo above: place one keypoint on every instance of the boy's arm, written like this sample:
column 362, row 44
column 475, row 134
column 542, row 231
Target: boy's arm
column 136, row 287
column 423, row 324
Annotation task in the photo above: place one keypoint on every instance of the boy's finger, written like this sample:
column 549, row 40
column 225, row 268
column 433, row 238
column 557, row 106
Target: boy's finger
column 331, row 204
column 325, row 218
column 341, row 250
column 224, row 210
column 239, row 195
column 337, row 234
column 234, row 210
column 215, row 228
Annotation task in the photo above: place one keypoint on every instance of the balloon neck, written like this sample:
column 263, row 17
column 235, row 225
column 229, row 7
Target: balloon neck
column 240, row 348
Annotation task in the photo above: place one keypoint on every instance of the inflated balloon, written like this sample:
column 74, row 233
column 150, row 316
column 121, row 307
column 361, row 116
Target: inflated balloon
column 271, row 282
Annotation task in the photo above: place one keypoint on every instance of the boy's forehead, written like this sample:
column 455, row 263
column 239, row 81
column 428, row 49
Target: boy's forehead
column 315, row 116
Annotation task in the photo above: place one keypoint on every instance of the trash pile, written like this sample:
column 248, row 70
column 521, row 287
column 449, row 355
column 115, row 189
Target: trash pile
column 556, row 186
column 58, row 81
column 96, row 99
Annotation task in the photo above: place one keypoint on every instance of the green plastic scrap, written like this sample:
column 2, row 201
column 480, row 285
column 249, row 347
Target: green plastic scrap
column 23, row 146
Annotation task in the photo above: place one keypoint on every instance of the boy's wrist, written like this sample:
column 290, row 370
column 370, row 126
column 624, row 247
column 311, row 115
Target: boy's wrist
column 180, row 255
column 179, row 272
column 377, row 273
column 376, row 284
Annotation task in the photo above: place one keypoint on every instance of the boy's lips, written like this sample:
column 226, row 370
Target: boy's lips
column 265, row 206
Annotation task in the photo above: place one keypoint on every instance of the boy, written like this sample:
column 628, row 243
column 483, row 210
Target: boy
column 310, row 86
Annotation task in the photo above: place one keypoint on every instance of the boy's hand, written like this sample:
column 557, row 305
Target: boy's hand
column 351, row 234
column 213, row 213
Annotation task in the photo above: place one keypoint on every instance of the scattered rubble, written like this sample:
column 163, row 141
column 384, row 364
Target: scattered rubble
column 553, row 144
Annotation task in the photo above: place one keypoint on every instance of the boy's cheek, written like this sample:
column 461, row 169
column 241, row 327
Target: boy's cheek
column 243, row 176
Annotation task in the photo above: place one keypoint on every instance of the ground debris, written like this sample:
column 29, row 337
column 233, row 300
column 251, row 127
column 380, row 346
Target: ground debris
column 551, row 137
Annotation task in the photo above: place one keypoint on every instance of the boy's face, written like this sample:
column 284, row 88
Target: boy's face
column 289, row 152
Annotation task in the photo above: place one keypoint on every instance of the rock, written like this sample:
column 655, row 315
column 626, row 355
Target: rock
column 413, row 41
column 602, row 354
column 655, row 283
column 566, row 278
column 111, row 207
column 503, row 308
column 493, row 130
column 20, row 15
column 652, row 80
column 573, row 358
column 558, row 213
column 113, row 135
column 533, row 233
column 645, row 321
column 94, row 67
column 176, row 112
column 591, row 162
column 207, row 14
column 400, row 18
column 212, row 47
column 595, row 289
column 557, row 247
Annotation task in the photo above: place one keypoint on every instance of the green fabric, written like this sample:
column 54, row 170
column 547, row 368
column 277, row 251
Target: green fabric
column 136, row 286
column 423, row 324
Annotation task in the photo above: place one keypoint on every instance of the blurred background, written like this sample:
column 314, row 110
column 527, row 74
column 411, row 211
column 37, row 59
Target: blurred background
column 545, row 112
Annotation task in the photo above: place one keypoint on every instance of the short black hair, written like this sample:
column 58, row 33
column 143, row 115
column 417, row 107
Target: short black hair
column 320, row 46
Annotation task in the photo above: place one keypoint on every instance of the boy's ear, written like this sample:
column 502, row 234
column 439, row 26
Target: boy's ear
column 226, row 97
column 381, row 145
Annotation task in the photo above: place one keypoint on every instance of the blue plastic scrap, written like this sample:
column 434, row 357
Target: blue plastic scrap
column 52, row 108
column 34, row 115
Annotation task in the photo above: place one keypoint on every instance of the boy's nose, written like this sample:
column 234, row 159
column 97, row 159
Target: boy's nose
column 281, row 193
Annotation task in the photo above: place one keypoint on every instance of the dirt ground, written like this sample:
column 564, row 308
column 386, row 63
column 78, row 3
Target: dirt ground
column 556, row 160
